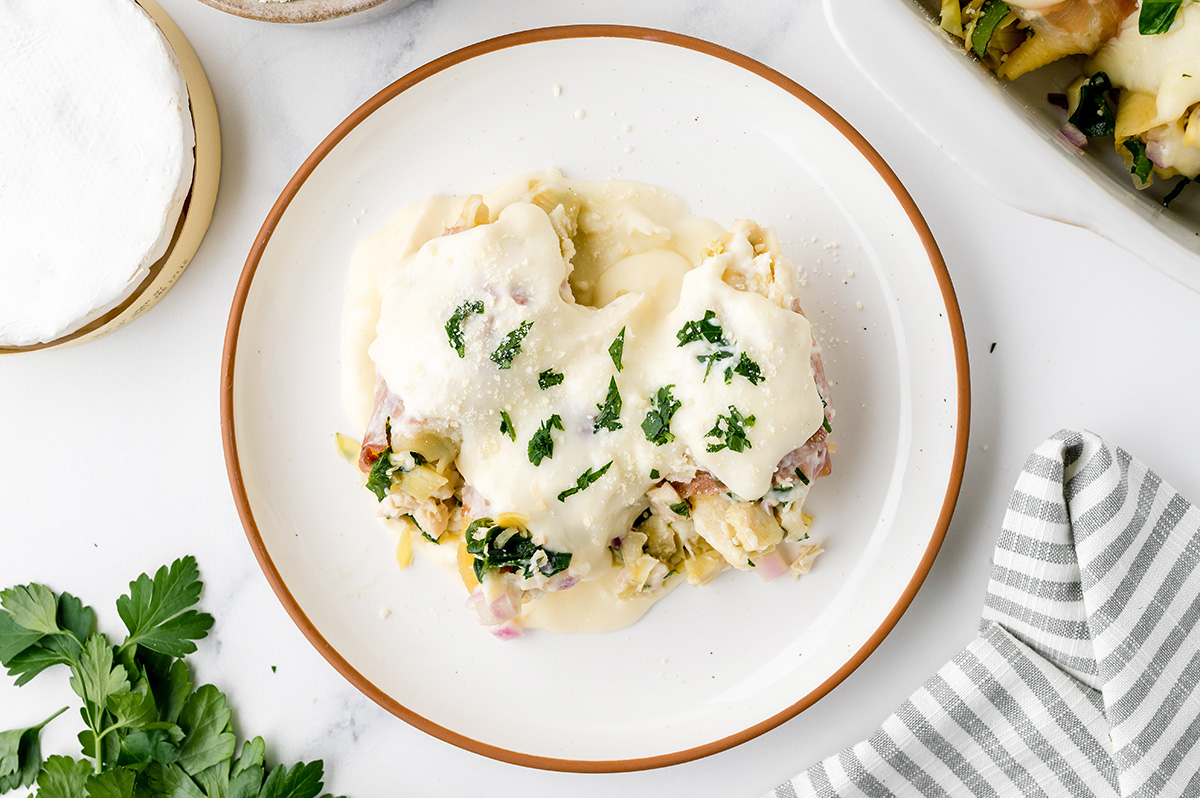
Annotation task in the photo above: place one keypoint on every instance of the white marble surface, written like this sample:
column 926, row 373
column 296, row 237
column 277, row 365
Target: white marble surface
column 110, row 453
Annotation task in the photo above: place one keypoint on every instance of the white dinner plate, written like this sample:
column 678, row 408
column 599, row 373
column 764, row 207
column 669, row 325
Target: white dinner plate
column 707, row 668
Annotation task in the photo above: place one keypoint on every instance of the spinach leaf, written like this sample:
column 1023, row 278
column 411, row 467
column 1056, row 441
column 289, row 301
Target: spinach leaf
column 1094, row 116
column 1157, row 16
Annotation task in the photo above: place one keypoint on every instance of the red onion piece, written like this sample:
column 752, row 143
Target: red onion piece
column 507, row 631
column 503, row 608
column 770, row 566
column 1156, row 152
column 1073, row 136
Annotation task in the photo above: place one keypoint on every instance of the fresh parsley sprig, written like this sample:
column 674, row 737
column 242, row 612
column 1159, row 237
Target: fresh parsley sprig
column 148, row 732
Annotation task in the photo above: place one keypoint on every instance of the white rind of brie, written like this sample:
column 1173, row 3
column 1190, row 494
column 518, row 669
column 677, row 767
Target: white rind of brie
column 97, row 137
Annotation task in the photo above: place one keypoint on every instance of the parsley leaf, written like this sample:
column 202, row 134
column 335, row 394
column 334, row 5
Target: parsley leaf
column 746, row 368
column 610, row 411
column 682, row 508
column 301, row 781
column 730, row 430
column 208, row 739
column 63, row 777
column 510, row 347
column 117, row 783
column 657, row 424
column 617, row 348
column 1093, row 116
column 705, row 329
column 654, row 473
column 1142, row 165
column 506, row 426
column 33, row 607
column 541, row 445
column 156, row 611
column 454, row 330
column 21, row 755
column 549, row 378
column 585, row 481
column 990, row 16
column 1157, row 16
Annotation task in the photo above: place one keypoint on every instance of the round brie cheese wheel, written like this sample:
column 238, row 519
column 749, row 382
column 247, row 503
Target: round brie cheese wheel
column 98, row 143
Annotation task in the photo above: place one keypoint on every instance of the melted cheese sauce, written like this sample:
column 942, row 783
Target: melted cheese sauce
column 1166, row 64
column 636, row 264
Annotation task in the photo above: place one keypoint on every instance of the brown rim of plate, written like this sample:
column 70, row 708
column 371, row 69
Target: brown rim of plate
column 954, row 319
column 295, row 11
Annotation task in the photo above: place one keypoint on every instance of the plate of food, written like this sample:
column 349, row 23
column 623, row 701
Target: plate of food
column 547, row 447
column 1093, row 98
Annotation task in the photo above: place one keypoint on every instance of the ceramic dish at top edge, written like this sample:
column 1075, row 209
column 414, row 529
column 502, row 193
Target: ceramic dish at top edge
column 707, row 668
column 905, row 55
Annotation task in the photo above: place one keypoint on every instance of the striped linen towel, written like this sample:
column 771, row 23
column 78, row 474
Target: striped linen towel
column 1083, row 679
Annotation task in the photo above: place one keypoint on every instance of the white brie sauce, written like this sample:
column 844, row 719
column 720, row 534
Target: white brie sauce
column 96, row 135
column 1165, row 64
column 546, row 337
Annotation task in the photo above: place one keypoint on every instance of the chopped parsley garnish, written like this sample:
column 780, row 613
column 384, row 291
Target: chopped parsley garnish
column 549, row 378
column 705, row 329
column 454, row 329
column 657, row 425
column 747, row 368
column 510, row 347
column 585, row 481
column 712, row 357
column 541, row 445
column 1093, row 116
column 518, row 552
column 617, row 348
column 730, row 430
column 1157, row 16
column 708, row 330
column 379, row 480
column 610, row 411
column 1175, row 192
column 990, row 16
column 682, row 508
column 653, row 473
column 506, row 426
column 1142, row 165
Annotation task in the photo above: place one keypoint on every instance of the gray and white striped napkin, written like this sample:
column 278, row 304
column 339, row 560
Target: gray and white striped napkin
column 1083, row 679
